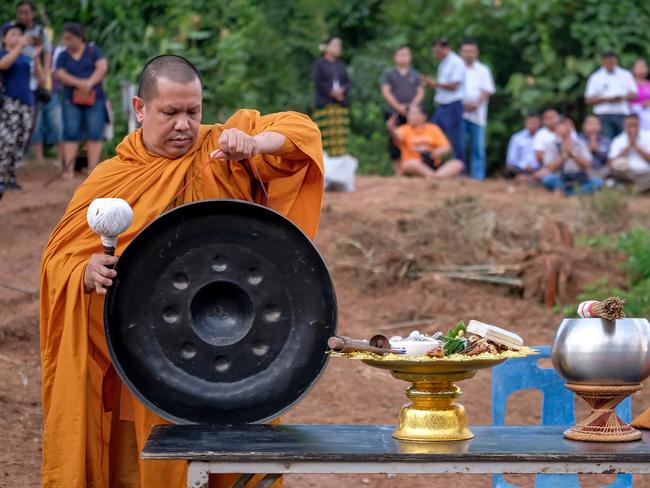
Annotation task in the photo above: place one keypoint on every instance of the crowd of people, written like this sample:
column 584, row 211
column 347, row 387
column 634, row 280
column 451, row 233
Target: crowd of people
column 612, row 148
column 50, row 94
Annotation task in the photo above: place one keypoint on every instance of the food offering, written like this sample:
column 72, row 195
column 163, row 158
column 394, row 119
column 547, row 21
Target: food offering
column 433, row 364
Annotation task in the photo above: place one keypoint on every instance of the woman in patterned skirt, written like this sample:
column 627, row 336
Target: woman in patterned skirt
column 332, row 85
column 16, row 101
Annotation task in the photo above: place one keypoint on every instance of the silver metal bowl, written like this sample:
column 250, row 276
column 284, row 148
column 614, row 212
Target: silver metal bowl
column 602, row 352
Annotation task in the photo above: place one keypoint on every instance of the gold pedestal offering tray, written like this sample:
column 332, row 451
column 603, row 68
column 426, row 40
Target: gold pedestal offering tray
column 433, row 414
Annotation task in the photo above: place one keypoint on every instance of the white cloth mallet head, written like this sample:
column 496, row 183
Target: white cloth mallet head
column 109, row 217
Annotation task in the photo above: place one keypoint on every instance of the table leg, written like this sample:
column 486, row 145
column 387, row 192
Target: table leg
column 198, row 474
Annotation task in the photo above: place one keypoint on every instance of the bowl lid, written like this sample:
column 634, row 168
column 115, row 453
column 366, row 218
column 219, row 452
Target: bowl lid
column 220, row 313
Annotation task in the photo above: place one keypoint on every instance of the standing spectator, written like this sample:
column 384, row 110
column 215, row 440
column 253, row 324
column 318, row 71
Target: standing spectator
column 401, row 86
column 48, row 129
column 449, row 87
column 332, row 85
column 629, row 155
column 609, row 89
column 479, row 86
column 641, row 104
column 545, row 135
column 25, row 15
column 80, row 69
column 17, row 101
column 597, row 143
column 567, row 163
column 423, row 147
column 521, row 162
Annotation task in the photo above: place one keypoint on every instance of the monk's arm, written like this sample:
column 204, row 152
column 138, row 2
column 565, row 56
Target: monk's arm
column 288, row 142
column 269, row 142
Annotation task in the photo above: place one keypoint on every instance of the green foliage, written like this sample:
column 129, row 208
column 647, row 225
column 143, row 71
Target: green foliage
column 455, row 340
column 636, row 246
column 256, row 53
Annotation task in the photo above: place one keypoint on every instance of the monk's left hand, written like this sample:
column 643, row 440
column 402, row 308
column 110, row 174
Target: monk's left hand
column 236, row 145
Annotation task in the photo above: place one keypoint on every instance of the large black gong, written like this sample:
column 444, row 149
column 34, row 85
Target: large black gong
column 220, row 313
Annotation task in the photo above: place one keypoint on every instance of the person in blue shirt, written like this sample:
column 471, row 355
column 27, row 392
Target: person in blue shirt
column 16, row 101
column 81, row 69
column 521, row 162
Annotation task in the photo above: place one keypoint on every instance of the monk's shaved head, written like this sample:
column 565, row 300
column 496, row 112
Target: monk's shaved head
column 169, row 66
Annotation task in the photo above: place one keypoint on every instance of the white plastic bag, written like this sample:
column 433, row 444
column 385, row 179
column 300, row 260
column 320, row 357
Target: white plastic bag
column 340, row 172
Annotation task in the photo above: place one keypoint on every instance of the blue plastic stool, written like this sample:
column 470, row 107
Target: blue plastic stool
column 557, row 409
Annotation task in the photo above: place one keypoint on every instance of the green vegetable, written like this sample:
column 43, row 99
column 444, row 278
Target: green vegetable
column 455, row 340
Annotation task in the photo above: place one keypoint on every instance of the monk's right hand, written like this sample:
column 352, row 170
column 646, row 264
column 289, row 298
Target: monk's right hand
column 98, row 277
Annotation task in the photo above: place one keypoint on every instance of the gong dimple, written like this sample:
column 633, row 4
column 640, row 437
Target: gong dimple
column 222, row 364
column 170, row 315
column 260, row 348
column 219, row 264
column 255, row 276
column 272, row 313
column 188, row 350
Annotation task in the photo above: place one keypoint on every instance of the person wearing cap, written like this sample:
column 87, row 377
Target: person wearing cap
column 450, row 90
column 81, row 69
column 609, row 90
column 17, row 105
column 94, row 427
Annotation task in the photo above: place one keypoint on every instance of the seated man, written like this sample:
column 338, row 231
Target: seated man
column 567, row 162
column 521, row 163
column 423, row 146
column 598, row 145
column 629, row 155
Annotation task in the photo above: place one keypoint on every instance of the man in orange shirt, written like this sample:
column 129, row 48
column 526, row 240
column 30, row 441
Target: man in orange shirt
column 423, row 146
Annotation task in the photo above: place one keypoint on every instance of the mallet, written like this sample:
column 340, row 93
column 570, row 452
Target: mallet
column 109, row 217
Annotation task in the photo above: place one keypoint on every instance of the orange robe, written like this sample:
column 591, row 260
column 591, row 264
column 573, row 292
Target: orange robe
column 79, row 397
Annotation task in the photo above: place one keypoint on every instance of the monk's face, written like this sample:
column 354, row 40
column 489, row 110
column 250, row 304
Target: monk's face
column 170, row 119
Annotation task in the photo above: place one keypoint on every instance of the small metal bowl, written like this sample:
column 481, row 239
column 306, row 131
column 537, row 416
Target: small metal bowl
column 602, row 352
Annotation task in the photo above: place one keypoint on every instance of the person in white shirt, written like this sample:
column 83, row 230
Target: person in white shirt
column 609, row 90
column 479, row 86
column 521, row 162
column 567, row 163
column 629, row 155
column 545, row 135
column 450, row 87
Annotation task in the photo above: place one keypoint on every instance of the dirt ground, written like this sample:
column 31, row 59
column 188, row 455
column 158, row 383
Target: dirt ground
column 385, row 245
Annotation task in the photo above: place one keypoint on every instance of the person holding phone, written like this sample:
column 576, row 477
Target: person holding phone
column 81, row 69
column 16, row 101
column 26, row 15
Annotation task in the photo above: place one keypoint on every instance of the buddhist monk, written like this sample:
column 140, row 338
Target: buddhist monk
column 94, row 427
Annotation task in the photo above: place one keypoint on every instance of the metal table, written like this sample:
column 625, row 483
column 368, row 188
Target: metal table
column 311, row 449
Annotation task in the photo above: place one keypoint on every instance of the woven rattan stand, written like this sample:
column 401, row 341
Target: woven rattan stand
column 603, row 425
